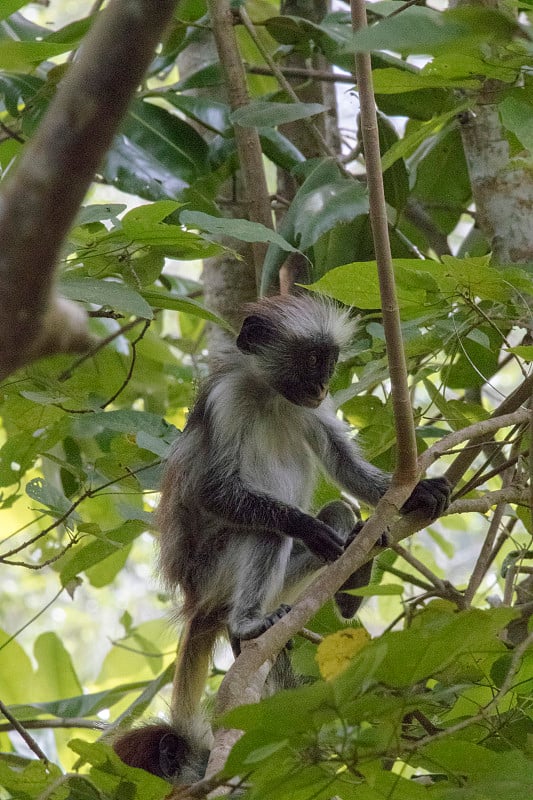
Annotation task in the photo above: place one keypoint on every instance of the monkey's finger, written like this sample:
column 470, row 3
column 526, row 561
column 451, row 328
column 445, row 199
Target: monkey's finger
column 383, row 540
column 328, row 547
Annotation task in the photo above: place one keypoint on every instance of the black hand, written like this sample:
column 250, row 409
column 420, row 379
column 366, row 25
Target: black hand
column 430, row 497
column 321, row 540
column 383, row 540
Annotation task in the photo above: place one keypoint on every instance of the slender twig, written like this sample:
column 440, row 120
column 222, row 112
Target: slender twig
column 519, row 397
column 518, row 653
column 88, row 493
column 32, row 620
column 311, row 636
column 60, row 723
column 284, row 83
column 476, row 433
column 99, row 346
column 420, row 567
column 302, row 72
column 486, row 554
column 133, row 345
column 406, row 467
column 21, row 730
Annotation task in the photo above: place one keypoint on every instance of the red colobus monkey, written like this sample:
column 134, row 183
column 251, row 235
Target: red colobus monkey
column 236, row 533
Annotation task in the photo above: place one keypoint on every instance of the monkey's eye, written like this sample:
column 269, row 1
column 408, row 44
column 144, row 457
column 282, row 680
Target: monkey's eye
column 312, row 360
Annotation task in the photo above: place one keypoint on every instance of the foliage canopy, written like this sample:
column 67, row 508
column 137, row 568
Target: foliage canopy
column 439, row 703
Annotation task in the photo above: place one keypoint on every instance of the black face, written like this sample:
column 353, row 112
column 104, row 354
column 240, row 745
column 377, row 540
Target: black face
column 304, row 377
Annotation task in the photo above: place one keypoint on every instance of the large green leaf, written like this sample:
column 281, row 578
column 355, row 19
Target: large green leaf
column 517, row 116
column 212, row 114
column 185, row 304
column 264, row 114
column 440, row 170
column 325, row 199
column 10, row 6
column 426, row 31
column 55, row 675
column 157, row 154
column 407, row 145
column 85, row 556
column 241, row 229
column 105, row 293
column 133, row 169
column 20, row 55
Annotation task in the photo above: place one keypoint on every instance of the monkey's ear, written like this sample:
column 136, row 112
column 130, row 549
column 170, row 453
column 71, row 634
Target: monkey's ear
column 256, row 332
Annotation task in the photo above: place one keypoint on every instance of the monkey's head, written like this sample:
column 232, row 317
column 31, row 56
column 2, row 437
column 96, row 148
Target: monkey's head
column 295, row 343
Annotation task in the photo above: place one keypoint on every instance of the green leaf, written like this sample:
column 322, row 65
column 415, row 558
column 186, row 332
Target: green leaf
column 171, row 139
column 16, row 672
column 377, row 590
column 517, row 117
column 50, row 496
column 10, row 6
column 425, row 31
column 97, row 213
column 186, row 305
column 55, row 675
column 105, row 293
column 279, row 149
column 265, row 114
column 326, row 199
column 357, row 284
column 525, row 351
column 440, row 169
column 395, row 179
column 31, row 781
column 240, row 229
column 134, row 169
column 26, row 55
column 211, row 114
column 406, row 146
column 80, row 705
column 18, row 90
column 395, row 81
column 84, row 556
column 157, row 154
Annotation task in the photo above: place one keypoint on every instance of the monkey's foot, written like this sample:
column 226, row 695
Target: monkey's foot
column 252, row 628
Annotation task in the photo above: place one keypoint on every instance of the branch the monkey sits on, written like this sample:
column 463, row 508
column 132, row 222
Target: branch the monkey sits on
column 237, row 537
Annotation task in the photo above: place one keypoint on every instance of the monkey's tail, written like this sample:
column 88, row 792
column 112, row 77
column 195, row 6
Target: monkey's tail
column 192, row 669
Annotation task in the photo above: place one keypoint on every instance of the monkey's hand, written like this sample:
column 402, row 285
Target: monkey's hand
column 321, row 540
column 431, row 497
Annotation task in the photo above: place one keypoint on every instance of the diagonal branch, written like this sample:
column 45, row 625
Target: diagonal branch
column 40, row 201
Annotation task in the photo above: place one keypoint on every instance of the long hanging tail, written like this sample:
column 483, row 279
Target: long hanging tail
column 192, row 668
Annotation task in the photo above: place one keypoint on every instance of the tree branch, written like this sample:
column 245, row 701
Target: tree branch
column 406, row 471
column 40, row 201
column 246, row 138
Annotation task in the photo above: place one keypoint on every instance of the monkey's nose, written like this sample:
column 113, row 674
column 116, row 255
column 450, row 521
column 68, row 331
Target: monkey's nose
column 322, row 391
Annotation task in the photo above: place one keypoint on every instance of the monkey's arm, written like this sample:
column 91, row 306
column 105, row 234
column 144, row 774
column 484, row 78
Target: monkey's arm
column 230, row 499
column 340, row 456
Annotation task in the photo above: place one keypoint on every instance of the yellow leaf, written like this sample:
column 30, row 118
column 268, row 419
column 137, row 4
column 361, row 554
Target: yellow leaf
column 335, row 652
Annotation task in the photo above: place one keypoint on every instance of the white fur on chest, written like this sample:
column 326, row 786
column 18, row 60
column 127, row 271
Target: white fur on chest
column 267, row 437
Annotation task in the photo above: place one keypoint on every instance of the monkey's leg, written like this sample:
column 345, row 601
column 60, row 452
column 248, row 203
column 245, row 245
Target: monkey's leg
column 259, row 583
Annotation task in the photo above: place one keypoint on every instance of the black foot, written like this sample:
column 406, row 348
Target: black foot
column 251, row 629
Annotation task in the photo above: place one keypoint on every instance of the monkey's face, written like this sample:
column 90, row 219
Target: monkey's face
column 297, row 367
column 304, row 377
